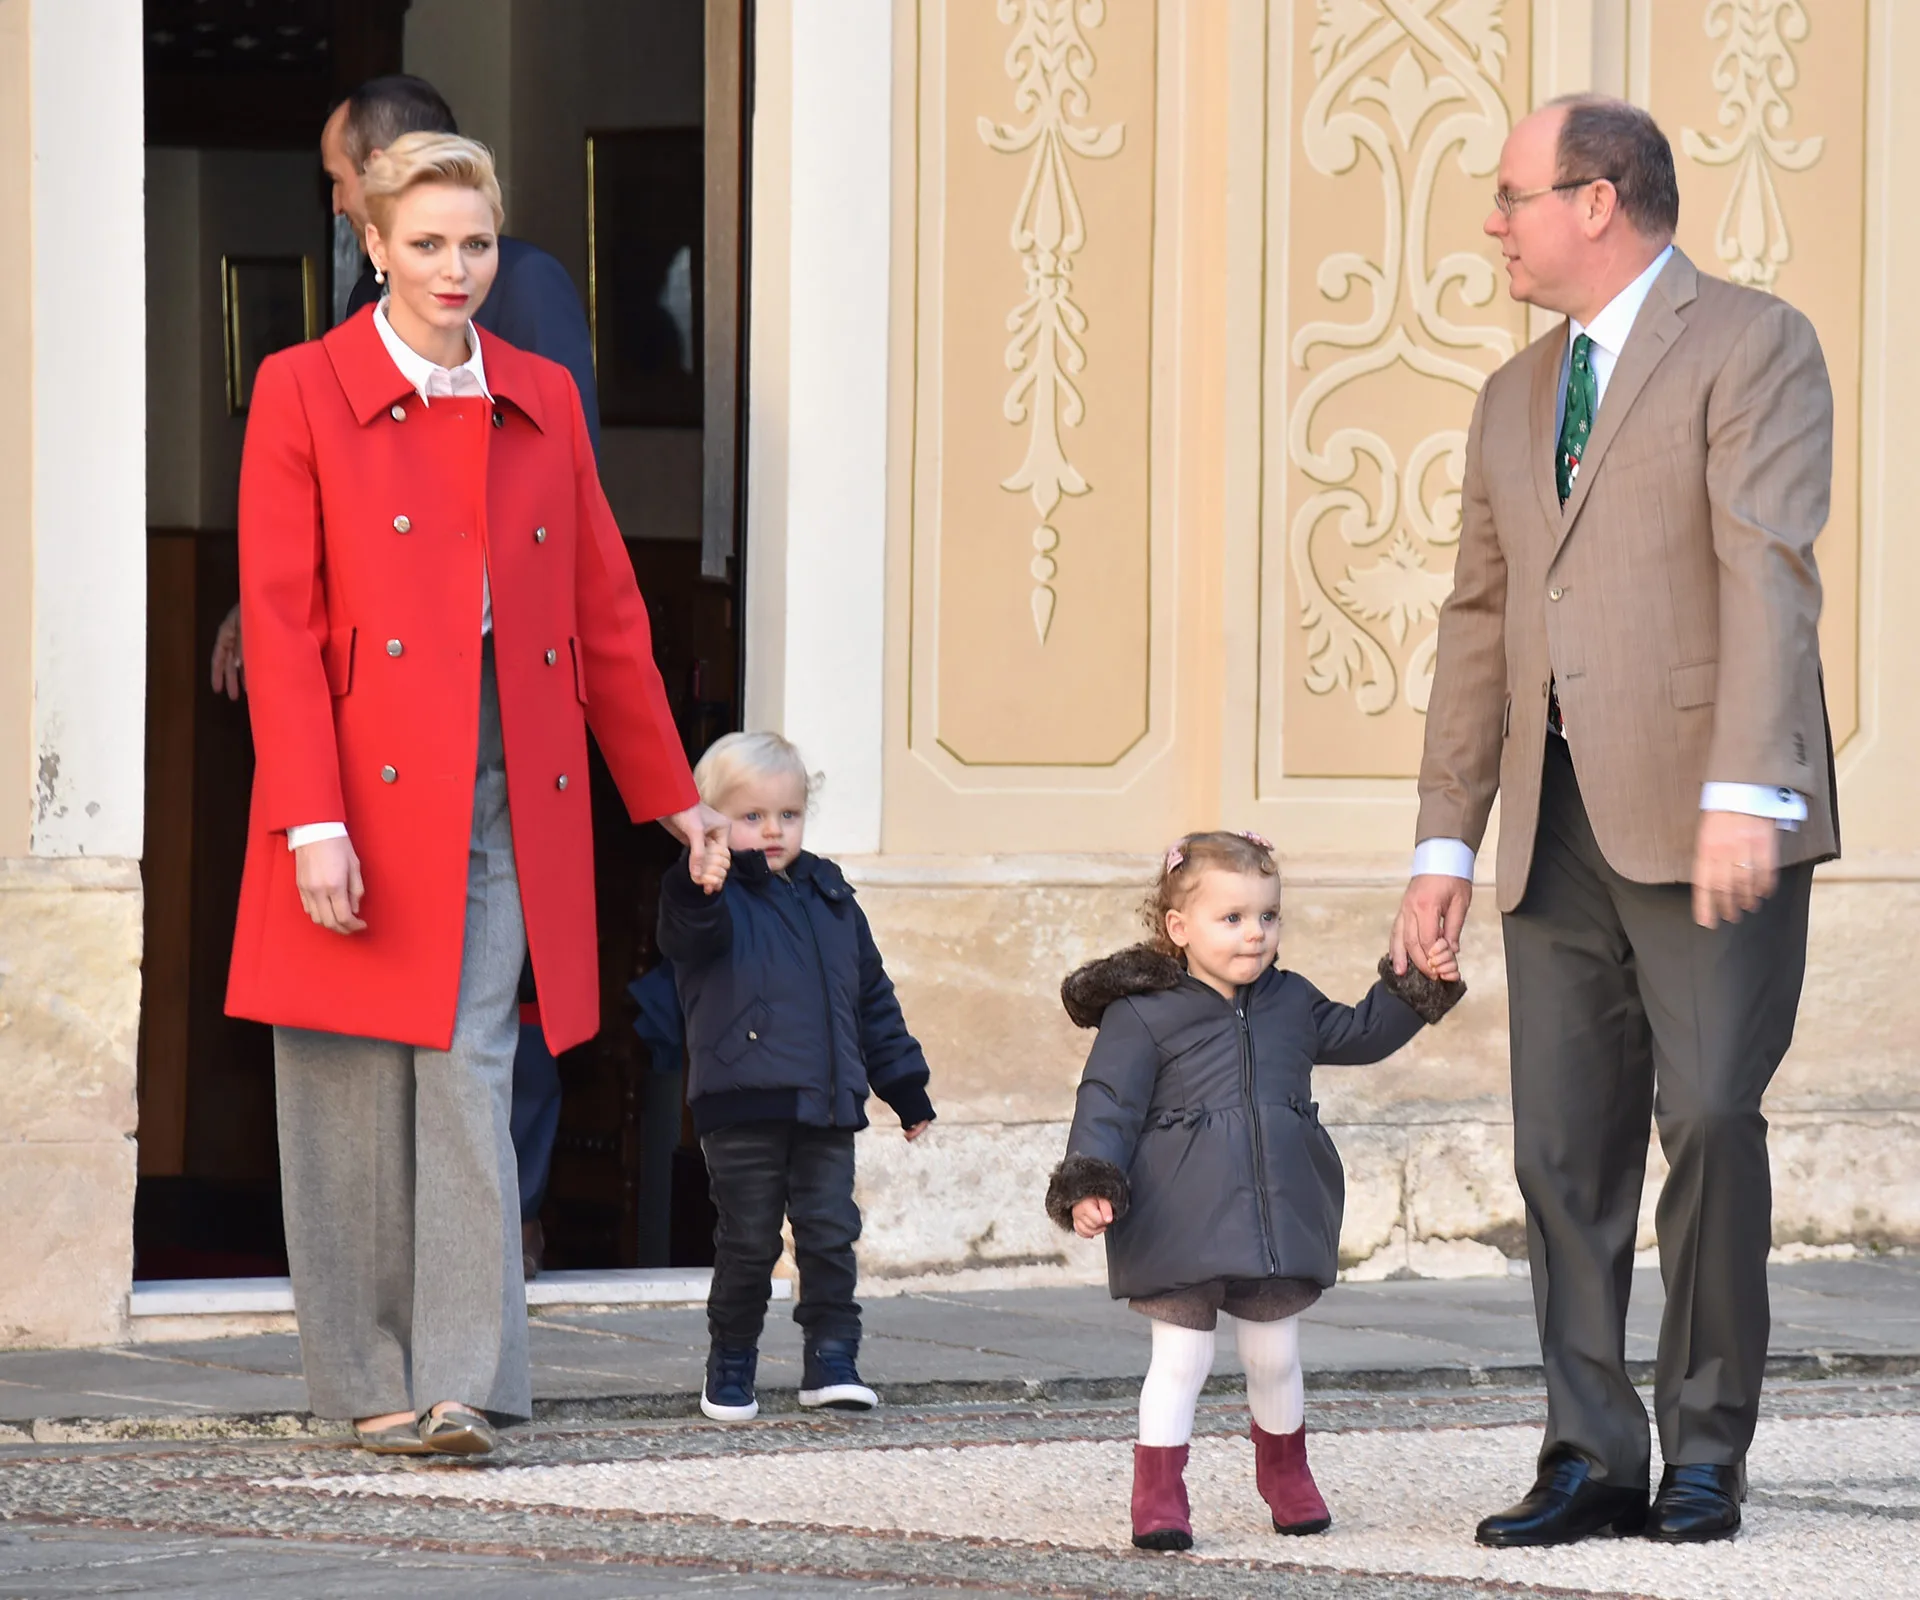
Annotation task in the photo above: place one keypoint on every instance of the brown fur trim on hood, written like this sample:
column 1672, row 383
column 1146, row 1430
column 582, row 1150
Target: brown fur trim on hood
column 1429, row 997
column 1138, row 969
column 1085, row 1178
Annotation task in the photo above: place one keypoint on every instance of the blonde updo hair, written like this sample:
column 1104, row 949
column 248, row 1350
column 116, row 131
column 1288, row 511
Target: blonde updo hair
column 1191, row 859
column 739, row 756
column 416, row 158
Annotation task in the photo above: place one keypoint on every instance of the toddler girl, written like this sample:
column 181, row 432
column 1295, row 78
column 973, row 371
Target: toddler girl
column 1197, row 1149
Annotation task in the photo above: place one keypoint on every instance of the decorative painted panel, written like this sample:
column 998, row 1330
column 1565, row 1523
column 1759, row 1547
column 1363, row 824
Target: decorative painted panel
column 1385, row 313
column 1031, row 547
column 1766, row 104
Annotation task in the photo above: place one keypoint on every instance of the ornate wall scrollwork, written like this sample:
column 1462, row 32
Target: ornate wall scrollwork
column 1049, row 61
column 1752, row 73
column 1406, row 101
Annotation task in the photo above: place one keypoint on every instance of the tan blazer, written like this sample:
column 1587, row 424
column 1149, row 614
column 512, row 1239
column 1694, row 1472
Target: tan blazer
column 1674, row 600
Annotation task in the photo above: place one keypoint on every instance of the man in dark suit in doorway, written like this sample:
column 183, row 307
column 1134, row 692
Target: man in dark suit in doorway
column 533, row 304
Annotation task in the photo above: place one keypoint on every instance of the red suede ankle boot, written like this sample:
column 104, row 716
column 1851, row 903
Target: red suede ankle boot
column 1286, row 1484
column 1161, row 1519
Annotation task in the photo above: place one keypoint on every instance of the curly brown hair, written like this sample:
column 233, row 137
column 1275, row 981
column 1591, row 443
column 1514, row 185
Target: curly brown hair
column 1193, row 856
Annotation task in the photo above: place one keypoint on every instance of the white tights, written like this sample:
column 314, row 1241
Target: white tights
column 1182, row 1358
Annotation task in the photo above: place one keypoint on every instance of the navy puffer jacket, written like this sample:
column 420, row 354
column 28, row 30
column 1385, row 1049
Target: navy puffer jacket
column 790, row 1014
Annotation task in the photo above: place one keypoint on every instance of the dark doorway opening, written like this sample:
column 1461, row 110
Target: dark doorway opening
column 237, row 91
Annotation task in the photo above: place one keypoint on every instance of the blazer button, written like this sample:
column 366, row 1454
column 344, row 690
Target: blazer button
column 751, row 1035
column 394, row 647
column 539, row 535
column 1554, row 594
column 552, row 657
column 402, row 525
column 389, row 775
column 398, row 413
column 561, row 781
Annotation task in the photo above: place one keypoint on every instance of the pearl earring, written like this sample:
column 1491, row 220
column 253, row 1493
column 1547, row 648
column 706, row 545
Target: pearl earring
column 379, row 276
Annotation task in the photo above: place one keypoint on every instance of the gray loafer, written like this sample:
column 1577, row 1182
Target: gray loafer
column 457, row 1431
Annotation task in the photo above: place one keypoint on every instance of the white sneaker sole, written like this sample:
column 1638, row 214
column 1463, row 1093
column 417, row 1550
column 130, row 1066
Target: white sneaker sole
column 720, row 1413
column 840, row 1397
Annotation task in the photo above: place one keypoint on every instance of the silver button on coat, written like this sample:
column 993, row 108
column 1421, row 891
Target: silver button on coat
column 389, row 775
column 402, row 525
column 552, row 657
column 561, row 782
column 394, row 647
column 398, row 413
column 539, row 535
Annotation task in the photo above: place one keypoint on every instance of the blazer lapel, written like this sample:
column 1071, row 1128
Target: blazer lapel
column 1543, row 433
column 1654, row 332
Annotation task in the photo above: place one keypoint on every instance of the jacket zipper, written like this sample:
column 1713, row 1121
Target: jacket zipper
column 1253, row 1128
column 826, row 999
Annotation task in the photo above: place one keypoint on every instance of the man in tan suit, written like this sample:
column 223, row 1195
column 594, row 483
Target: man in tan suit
column 1630, row 659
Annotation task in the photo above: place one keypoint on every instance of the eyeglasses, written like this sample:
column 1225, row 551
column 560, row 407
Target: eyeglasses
column 1506, row 202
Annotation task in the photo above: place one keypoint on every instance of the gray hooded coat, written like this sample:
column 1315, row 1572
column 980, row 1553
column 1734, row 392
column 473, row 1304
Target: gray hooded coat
column 1196, row 1117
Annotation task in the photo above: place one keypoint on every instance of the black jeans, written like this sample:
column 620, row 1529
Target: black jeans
column 759, row 1172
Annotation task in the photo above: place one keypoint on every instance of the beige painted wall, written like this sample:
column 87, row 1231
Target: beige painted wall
column 1186, row 371
column 1250, row 375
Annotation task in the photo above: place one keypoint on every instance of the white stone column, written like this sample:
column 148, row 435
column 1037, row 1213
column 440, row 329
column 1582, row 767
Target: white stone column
column 817, row 418
column 89, row 433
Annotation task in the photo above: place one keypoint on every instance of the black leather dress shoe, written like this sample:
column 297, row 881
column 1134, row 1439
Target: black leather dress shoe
column 1697, row 1503
column 1567, row 1503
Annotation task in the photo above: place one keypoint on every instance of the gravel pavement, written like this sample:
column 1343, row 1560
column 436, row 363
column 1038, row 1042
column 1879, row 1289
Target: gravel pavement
column 991, row 1499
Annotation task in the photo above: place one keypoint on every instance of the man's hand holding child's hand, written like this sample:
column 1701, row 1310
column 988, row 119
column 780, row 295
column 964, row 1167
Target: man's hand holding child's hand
column 915, row 1131
column 1092, row 1217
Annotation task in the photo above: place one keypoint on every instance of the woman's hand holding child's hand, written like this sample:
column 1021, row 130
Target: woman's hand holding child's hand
column 1092, row 1217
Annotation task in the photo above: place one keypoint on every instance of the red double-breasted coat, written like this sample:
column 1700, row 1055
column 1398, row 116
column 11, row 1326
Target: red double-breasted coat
column 367, row 521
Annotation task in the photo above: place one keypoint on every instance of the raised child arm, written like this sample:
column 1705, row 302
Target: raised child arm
column 1393, row 1011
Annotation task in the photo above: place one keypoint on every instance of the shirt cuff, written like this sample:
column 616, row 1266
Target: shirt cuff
column 314, row 832
column 1443, row 858
column 1784, row 806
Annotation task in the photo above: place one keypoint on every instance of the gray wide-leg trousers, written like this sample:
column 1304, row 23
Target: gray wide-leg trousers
column 1623, row 1010
column 398, row 1176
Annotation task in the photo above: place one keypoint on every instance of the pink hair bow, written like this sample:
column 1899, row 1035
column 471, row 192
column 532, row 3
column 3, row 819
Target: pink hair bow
column 1254, row 838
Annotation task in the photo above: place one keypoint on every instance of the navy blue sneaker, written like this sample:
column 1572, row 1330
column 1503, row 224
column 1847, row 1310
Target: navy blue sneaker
column 831, row 1378
column 728, row 1396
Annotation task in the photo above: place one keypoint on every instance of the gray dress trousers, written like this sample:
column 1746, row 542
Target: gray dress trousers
column 398, row 1177
column 1623, row 1011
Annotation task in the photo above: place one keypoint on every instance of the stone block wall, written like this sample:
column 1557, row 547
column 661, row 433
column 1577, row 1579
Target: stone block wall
column 69, row 1027
column 978, row 949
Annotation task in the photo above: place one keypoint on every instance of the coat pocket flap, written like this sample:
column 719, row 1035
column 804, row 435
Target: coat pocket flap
column 743, row 1035
column 338, row 657
column 1694, row 685
column 579, row 670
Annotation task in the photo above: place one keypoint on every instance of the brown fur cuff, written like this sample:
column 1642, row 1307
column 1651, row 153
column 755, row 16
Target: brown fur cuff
column 1429, row 997
column 1085, row 1178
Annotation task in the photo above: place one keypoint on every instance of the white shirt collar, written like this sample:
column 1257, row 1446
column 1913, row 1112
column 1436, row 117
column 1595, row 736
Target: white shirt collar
column 420, row 372
column 1615, row 321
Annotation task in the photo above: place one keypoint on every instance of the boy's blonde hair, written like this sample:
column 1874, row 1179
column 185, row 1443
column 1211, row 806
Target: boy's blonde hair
column 416, row 158
column 738, row 756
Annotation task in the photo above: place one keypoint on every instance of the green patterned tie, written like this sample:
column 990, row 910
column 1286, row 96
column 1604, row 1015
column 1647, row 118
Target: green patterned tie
column 1577, row 424
column 1575, row 427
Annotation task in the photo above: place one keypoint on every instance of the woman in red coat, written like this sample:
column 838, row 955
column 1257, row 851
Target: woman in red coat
column 436, row 604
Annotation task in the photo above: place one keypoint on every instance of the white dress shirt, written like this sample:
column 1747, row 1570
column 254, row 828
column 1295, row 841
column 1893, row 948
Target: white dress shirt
column 1453, row 858
column 466, row 381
